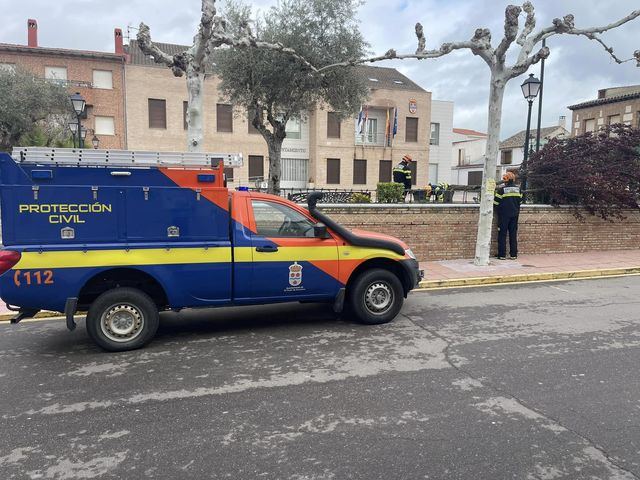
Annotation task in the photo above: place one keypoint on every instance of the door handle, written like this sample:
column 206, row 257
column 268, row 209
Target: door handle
column 267, row 249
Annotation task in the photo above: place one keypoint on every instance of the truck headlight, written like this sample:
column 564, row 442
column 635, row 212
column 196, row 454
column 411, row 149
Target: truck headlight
column 410, row 253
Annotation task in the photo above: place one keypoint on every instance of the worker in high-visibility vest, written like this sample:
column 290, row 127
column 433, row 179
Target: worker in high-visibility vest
column 402, row 173
column 507, row 200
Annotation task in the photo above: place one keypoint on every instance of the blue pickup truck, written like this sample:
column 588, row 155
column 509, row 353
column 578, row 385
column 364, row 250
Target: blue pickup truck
column 125, row 235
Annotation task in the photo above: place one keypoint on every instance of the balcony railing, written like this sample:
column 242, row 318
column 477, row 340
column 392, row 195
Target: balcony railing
column 371, row 138
column 70, row 83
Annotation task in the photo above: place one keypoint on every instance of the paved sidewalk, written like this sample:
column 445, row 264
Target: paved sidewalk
column 531, row 268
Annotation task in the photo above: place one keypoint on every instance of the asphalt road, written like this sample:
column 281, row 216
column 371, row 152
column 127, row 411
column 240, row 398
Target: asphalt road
column 536, row 381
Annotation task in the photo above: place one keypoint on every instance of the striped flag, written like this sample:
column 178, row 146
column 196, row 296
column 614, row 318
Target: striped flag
column 361, row 122
column 387, row 130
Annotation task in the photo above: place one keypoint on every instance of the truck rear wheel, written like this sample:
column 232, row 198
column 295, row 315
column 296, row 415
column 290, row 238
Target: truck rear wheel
column 376, row 297
column 122, row 319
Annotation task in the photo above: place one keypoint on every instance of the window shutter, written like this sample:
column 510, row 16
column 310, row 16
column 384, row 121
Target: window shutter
column 333, row 170
column 359, row 172
column 256, row 167
column 333, row 125
column 385, row 171
column 224, row 115
column 411, row 134
column 157, row 113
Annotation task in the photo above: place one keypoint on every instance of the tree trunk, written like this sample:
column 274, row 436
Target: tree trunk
column 275, row 163
column 483, row 241
column 195, row 90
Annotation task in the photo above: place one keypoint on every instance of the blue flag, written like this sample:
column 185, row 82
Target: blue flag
column 395, row 123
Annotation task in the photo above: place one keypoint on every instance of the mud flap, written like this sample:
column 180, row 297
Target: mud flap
column 338, row 304
column 70, row 309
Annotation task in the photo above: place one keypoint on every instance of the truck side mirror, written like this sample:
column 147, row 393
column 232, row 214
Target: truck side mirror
column 320, row 230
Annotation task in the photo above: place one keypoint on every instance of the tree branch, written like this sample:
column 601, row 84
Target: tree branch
column 511, row 28
column 530, row 23
column 201, row 40
column 150, row 48
column 521, row 67
column 480, row 45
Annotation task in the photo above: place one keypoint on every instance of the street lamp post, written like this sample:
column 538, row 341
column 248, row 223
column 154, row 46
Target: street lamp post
column 95, row 141
column 530, row 89
column 73, row 126
column 79, row 103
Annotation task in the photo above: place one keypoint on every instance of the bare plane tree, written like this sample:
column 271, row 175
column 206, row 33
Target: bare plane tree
column 501, row 73
column 212, row 34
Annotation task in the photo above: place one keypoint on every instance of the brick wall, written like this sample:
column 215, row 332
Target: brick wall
column 437, row 232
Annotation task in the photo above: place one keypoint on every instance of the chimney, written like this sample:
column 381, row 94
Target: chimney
column 562, row 122
column 117, row 34
column 32, row 33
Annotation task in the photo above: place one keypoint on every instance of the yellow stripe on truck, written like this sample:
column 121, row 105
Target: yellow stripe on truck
column 122, row 258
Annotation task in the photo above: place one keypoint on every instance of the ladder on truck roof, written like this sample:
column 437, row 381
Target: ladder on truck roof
column 123, row 158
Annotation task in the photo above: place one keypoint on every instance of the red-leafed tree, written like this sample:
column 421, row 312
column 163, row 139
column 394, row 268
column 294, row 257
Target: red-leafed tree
column 599, row 173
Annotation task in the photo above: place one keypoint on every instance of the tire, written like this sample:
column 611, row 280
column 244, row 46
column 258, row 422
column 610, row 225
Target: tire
column 122, row 319
column 375, row 297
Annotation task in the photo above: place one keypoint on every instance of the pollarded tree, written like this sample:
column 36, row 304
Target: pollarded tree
column 193, row 62
column 276, row 88
column 597, row 172
column 528, row 41
column 31, row 107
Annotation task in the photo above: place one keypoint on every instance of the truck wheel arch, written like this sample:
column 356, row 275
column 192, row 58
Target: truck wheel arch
column 386, row 264
column 106, row 280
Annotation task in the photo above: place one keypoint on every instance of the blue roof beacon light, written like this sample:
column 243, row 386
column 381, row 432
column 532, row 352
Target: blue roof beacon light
column 243, row 189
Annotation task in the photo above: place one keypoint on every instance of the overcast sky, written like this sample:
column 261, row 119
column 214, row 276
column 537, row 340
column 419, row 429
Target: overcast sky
column 575, row 71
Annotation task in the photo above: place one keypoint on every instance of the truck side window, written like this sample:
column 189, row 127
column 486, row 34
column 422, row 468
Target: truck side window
column 276, row 220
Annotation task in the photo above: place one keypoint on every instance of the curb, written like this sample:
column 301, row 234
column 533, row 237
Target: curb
column 5, row 317
column 528, row 277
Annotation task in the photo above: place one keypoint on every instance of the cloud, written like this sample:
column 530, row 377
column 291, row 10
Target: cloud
column 576, row 70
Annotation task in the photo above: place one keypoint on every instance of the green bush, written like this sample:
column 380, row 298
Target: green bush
column 360, row 198
column 390, row 192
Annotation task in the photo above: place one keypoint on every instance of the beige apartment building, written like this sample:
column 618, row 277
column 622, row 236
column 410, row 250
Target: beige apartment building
column 320, row 151
column 97, row 76
column 613, row 105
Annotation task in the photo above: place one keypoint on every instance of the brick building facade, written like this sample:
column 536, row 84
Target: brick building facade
column 613, row 105
column 319, row 150
column 97, row 76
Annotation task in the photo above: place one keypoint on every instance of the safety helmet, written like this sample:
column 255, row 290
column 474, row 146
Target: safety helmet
column 509, row 177
column 407, row 158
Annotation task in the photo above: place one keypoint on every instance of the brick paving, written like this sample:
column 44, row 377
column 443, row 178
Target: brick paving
column 528, row 264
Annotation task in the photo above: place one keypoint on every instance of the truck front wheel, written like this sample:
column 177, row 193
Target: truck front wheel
column 122, row 319
column 376, row 296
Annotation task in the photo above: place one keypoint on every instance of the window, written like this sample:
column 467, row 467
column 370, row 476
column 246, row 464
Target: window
column 256, row 167
column 590, row 125
column 157, row 113
column 333, row 170
column 385, row 171
column 372, row 130
column 462, row 160
column 333, row 125
column 359, row 172
column 433, row 173
column 185, row 113
column 435, row 134
column 55, row 73
column 228, row 174
column 277, row 220
column 411, row 133
column 224, row 117
column 613, row 119
column 7, row 67
column 293, row 129
column 413, row 166
column 506, row 157
column 474, row 178
column 251, row 113
column 103, row 79
column 104, row 126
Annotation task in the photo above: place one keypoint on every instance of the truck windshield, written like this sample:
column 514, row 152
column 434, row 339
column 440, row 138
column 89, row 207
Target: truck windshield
column 277, row 220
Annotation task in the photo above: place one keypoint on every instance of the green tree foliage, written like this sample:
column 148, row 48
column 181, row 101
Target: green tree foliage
column 31, row 110
column 390, row 192
column 275, row 87
column 598, row 172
